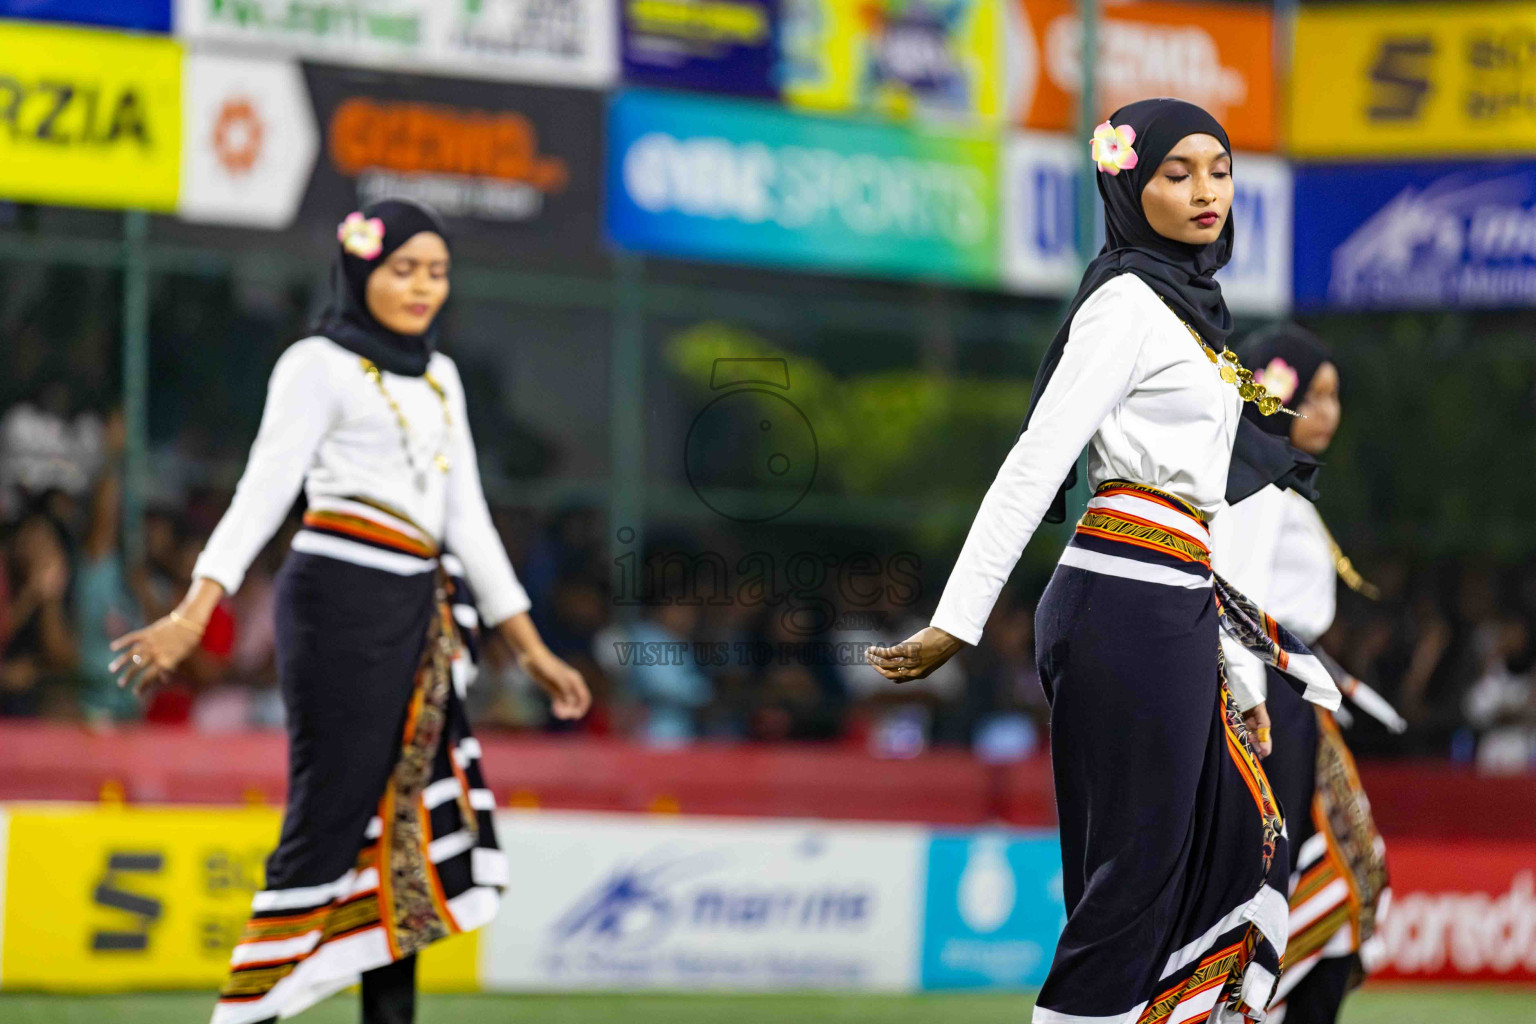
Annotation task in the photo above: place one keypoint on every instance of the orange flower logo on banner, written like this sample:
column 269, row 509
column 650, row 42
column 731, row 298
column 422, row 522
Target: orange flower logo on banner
column 1216, row 55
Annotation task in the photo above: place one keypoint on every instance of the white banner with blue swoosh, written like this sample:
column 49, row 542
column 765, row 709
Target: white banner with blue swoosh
column 603, row 901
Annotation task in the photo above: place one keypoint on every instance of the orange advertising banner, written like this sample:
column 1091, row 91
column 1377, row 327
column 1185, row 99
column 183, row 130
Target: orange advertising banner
column 1217, row 55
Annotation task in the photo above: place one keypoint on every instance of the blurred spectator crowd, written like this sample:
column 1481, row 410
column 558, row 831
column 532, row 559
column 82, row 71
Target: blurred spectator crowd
column 695, row 652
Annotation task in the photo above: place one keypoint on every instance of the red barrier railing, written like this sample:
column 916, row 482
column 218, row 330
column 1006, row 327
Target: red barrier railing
column 146, row 764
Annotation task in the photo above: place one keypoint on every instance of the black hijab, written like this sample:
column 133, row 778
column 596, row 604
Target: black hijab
column 1283, row 358
column 1183, row 275
column 364, row 241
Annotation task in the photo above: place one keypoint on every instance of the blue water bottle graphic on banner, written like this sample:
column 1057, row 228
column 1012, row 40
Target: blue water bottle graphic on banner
column 993, row 909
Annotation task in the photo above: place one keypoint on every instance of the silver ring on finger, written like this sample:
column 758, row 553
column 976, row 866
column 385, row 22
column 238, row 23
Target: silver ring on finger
column 137, row 659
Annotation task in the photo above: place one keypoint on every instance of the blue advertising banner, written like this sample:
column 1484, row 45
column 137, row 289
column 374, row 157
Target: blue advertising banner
column 992, row 910
column 1437, row 236
column 726, row 46
column 148, row 15
column 753, row 183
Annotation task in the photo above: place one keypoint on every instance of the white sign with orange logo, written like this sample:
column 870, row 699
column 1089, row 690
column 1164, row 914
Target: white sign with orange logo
column 249, row 142
column 1215, row 54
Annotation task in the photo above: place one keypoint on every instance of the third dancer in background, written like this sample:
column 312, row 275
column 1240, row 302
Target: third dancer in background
column 1275, row 548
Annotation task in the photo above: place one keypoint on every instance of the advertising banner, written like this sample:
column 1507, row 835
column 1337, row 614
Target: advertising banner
column 101, row 899
column 992, row 910
column 637, row 903
column 726, row 46
column 895, row 58
column 1214, row 54
column 515, row 163
column 1428, row 236
column 751, row 183
column 248, row 143
column 1041, row 175
column 92, row 118
column 144, row 15
column 1409, row 79
column 564, row 41
column 1460, row 912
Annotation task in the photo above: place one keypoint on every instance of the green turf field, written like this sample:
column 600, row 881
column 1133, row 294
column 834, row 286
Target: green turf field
column 1410, row 1005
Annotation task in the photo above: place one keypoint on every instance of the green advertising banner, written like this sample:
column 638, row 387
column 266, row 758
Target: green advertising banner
column 753, row 183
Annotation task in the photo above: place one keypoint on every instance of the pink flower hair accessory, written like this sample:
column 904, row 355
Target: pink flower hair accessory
column 1111, row 147
column 1279, row 379
column 361, row 236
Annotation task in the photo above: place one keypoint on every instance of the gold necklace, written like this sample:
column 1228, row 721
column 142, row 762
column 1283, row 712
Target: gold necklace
column 439, row 459
column 1234, row 372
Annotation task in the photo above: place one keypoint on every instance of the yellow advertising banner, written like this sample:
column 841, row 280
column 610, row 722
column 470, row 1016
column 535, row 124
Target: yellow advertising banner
column 1421, row 79
column 91, row 118
column 113, row 899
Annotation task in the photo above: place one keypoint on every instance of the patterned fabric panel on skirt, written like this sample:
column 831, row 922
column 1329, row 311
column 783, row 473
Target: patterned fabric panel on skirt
column 428, row 866
column 1341, row 876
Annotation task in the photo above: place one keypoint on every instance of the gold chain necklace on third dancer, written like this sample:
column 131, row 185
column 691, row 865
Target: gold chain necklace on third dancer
column 1234, row 372
column 439, row 459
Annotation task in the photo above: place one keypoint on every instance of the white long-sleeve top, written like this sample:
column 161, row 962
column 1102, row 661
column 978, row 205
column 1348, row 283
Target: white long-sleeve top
column 1137, row 389
column 328, row 428
column 1275, row 549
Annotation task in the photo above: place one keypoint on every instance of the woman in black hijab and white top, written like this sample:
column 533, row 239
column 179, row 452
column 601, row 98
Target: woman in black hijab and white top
column 1276, row 548
column 388, row 842
column 1172, row 848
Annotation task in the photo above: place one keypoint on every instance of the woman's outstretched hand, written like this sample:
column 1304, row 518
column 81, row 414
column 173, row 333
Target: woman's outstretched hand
column 915, row 657
column 1256, row 720
column 569, row 697
column 152, row 653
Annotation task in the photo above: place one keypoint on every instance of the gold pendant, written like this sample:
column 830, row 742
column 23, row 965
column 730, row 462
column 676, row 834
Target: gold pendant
column 1210, row 353
column 1269, row 405
column 1248, row 390
column 1228, row 374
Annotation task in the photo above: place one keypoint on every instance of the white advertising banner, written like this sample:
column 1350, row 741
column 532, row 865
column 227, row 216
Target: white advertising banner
column 568, row 42
column 248, row 141
column 1258, row 280
column 1041, row 175
column 602, row 901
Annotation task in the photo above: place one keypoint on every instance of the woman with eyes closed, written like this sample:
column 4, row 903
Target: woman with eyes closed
column 1173, row 859
column 387, row 842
